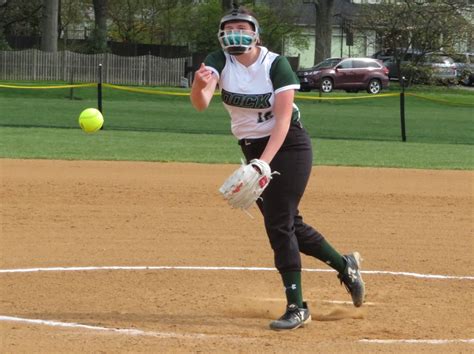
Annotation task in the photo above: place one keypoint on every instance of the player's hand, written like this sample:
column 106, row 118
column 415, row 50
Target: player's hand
column 202, row 76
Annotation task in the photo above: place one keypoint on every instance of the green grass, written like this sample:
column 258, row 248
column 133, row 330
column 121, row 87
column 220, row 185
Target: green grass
column 363, row 132
column 364, row 119
column 73, row 144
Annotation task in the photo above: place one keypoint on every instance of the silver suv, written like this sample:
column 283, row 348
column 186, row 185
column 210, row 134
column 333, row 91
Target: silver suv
column 440, row 65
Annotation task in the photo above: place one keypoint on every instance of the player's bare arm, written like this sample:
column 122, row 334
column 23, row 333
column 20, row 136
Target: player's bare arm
column 204, row 85
column 282, row 111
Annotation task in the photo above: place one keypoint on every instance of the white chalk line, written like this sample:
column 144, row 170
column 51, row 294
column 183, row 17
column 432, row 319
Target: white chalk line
column 376, row 272
column 124, row 331
column 337, row 302
column 194, row 336
column 417, row 341
column 349, row 303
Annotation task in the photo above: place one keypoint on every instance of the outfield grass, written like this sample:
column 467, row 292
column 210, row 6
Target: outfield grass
column 73, row 144
column 363, row 132
column 377, row 118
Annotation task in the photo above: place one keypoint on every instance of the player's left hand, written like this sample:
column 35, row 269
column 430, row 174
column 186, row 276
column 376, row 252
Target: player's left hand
column 246, row 184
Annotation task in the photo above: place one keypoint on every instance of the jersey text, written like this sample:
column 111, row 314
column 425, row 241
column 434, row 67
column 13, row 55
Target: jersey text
column 257, row 101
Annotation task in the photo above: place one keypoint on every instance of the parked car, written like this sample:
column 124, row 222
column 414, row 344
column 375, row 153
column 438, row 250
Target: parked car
column 350, row 74
column 465, row 68
column 431, row 65
column 388, row 57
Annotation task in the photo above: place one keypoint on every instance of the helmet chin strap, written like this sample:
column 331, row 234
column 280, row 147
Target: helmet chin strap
column 236, row 51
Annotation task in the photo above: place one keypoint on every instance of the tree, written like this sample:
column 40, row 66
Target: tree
column 323, row 32
column 73, row 14
column 168, row 14
column 277, row 24
column 3, row 43
column 417, row 26
column 49, row 35
column 148, row 21
column 227, row 4
column 19, row 18
column 126, row 20
column 201, row 37
column 171, row 22
column 323, row 28
column 98, row 40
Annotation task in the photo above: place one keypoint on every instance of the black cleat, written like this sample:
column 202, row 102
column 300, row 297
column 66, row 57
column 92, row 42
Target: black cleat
column 293, row 318
column 352, row 279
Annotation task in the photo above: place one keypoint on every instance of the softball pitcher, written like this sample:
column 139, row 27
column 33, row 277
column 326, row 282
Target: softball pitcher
column 257, row 89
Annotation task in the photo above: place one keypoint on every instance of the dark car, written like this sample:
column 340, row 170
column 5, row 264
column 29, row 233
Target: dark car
column 350, row 74
column 465, row 68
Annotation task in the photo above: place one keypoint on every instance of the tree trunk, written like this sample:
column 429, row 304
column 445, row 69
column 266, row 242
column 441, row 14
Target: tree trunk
column 100, row 31
column 323, row 31
column 49, row 37
column 60, row 23
column 227, row 5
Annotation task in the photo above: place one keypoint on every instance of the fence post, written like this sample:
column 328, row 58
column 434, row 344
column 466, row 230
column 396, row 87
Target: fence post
column 99, row 91
column 107, row 67
column 35, row 54
column 63, row 63
column 402, row 109
column 3, row 63
column 148, row 69
column 71, row 81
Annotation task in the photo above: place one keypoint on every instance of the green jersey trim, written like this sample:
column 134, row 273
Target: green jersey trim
column 282, row 75
column 216, row 60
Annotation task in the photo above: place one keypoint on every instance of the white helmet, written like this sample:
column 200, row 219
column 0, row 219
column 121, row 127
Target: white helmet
column 238, row 42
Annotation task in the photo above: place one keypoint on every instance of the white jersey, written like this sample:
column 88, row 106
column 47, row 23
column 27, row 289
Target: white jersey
column 248, row 93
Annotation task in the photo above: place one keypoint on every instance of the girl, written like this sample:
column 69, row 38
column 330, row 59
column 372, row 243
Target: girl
column 257, row 89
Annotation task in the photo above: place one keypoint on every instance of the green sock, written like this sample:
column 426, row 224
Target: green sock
column 330, row 256
column 294, row 293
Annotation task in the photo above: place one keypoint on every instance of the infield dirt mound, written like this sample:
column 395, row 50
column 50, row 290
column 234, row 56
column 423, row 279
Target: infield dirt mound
column 71, row 213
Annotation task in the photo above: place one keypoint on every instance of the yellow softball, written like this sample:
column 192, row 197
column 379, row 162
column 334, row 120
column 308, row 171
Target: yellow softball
column 91, row 120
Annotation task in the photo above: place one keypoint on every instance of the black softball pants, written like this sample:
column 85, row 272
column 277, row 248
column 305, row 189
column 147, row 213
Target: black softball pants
column 287, row 232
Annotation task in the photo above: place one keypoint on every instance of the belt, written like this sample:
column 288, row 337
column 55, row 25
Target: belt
column 247, row 141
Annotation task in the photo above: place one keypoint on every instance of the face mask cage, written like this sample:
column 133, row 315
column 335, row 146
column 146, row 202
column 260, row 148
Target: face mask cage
column 237, row 42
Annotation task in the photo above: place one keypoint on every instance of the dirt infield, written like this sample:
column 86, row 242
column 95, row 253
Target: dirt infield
column 414, row 223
